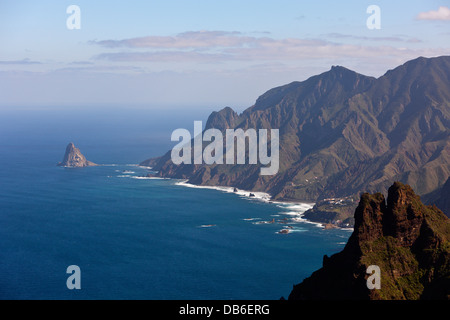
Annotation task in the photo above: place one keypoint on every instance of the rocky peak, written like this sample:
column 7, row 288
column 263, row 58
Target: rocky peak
column 404, row 214
column 74, row 158
column 401, row 217
column 224, row 119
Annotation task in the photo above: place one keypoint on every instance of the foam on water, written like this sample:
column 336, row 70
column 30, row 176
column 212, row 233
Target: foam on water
column 294, row 209
column 243, row 193
column 147, row 178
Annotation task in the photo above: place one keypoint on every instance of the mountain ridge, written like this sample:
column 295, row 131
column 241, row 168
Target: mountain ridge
column 342, row 133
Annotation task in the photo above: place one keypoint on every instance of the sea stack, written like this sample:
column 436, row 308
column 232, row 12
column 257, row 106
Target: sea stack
column 74, row 158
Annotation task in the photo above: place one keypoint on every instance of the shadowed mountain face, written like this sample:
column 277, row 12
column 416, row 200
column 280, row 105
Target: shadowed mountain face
column 407, row 240
column 74, row 158
column 342, row 133
column 443, row 201
column 441, row 198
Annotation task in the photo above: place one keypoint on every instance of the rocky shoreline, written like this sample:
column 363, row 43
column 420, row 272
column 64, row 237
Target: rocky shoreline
column 262, row 196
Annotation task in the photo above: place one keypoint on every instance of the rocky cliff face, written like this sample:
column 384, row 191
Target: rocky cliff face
column 406, row 239
column 74, row 158
column 342, row 133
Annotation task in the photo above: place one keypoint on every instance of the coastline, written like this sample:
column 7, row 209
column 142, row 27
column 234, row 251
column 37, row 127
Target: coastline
column 290, row 208
column 294, row 209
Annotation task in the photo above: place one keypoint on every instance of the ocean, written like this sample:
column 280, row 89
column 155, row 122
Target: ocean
column 132, row 237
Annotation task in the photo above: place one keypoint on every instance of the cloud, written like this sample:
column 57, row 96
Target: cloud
column 204, row 47
column 268, row 50
column 18, row 62
column 365, row 38
column 443, row 13
column 99, row 69
column 224, row 46
column 81, row 63
column 164, row 56
column 186, row 40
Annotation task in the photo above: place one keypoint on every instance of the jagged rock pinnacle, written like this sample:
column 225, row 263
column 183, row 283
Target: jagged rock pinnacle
column 406, row 239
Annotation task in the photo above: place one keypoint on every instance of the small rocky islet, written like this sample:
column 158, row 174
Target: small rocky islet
column 73, row 158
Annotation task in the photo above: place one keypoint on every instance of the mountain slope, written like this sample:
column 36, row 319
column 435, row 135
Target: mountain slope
column 343, row 133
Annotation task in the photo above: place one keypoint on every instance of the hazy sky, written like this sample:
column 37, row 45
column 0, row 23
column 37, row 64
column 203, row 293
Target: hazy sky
column 205, row 53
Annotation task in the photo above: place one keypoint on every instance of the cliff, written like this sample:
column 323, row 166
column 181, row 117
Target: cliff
column 406, row 239
column 74, row 158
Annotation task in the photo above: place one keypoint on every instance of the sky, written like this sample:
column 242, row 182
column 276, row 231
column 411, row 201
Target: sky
column 200, row 53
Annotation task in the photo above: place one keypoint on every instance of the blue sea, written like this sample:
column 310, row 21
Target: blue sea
column 136, row 238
